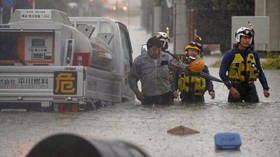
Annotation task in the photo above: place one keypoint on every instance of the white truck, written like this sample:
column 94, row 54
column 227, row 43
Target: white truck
column 48, row 63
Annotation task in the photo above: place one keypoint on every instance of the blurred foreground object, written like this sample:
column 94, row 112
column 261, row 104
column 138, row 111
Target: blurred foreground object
column 69, row 145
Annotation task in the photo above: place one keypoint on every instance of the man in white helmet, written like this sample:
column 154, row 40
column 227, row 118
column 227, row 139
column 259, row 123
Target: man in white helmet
column 164, row 39
column 241, row 67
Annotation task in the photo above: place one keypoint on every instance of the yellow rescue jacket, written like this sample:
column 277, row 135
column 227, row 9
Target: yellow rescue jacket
column 242, row 70
column 194, row 84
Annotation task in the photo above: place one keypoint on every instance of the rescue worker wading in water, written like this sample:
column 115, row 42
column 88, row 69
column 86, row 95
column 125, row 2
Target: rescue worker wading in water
column 243, row 66
column 192, row 87
column 152, row 70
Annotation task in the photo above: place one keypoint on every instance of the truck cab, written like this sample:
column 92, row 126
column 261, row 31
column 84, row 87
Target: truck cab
column 116, row 35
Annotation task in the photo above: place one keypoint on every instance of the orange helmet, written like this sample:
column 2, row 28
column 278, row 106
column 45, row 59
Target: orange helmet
column 196, row 66
column 195, row 44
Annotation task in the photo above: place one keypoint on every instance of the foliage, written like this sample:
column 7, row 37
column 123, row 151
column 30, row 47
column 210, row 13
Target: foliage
column 199, row 4
column 221, row 4
column 271, row 63
column 52, row 4
column 217, row 64
column 157, row 2
column 19, row 4
column 268, row 63
column 271, row 54
column 234, row 4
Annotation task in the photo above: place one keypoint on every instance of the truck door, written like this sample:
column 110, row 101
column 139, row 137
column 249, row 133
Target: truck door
column 127, row 54
column 127, row 48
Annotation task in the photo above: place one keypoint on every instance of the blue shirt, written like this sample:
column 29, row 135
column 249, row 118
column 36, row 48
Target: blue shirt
column 227, row 60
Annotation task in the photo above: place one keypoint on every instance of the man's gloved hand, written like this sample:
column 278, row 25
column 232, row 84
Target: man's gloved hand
column 234, row 92
column 140, row 96
column 266, row 93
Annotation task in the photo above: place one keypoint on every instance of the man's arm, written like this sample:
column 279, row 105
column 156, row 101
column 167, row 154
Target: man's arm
column 209, row 83
column 134, row 77
column 226, row 62
column 175, row 81
column 262, row 77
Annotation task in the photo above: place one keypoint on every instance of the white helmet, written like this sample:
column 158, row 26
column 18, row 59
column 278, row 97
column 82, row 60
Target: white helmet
column 163, row 37
column 244, row 31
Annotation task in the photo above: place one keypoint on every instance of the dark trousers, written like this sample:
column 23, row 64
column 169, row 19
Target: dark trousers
column 164, row 99
column 248, row 93
column 191, row 98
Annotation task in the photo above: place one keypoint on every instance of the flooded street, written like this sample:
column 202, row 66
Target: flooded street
column 258, row 124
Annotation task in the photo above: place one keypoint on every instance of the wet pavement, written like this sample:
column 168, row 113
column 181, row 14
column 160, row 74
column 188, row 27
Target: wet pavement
column 258, row 123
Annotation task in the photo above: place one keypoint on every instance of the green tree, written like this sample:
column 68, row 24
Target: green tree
column 221, row 4
column 234, row 4
column 199, row 4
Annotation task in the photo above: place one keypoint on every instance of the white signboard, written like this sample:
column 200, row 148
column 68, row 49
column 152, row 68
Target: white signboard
column 260, row 24
column 36, row 14
column 24, row 83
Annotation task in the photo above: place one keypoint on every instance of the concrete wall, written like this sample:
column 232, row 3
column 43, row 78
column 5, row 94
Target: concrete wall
column 270, row 8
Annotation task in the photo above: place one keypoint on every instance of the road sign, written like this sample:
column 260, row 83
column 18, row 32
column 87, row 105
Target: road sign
column 8, row 3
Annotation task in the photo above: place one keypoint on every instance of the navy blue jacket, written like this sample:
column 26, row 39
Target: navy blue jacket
column 209, row 84
column 227, row 60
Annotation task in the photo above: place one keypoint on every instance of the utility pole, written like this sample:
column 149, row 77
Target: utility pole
column 157, row 18
column 180, row 26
